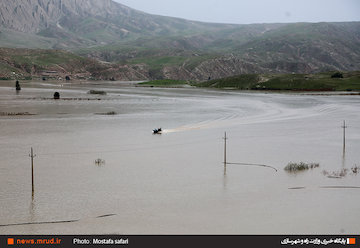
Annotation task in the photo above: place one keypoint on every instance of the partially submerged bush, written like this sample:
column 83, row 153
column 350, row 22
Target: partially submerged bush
column 342, row 173
column 97, row 92
column 99, row 161
column 294, row 167
column 355, row 169
column 108, row 113
column 56, row 95
column 336, row 174
column 14, row 114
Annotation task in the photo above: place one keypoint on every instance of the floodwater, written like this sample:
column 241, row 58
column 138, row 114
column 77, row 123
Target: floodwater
column 175, row 183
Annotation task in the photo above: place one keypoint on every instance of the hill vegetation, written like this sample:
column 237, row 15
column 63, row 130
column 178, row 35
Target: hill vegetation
column 293, row 82
column 57, row 64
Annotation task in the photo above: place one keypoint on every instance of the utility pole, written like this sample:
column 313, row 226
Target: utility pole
column 344, row 127
column 32, row 170
column 225, row 139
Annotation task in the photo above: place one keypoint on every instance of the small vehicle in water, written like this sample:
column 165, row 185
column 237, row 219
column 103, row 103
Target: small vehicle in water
column 157, row 131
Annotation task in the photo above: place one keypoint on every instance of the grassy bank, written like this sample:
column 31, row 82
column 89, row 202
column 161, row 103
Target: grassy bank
column 165, row 83
column 350, row 81
column 241, row 82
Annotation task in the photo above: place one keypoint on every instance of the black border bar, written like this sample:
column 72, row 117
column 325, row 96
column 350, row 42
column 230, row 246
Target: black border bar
column 166, row 241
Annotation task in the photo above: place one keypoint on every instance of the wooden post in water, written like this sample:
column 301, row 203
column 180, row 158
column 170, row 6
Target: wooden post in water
column 32, row 170
column 225, row 139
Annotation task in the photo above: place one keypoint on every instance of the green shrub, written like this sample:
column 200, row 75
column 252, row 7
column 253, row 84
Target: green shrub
column 293, row 167
column 337, row 75
column 97, row 92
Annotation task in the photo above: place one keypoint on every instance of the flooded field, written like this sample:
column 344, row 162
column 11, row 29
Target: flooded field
column 175, row 183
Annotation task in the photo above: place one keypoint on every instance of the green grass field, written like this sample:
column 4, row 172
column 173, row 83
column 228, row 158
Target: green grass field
column 164, row 83
column 241, row 82
column 290, row 82
column 29, row 62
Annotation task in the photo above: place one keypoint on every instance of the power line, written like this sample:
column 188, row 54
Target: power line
column 225, row 159
column 262, row 165
column 32, row 171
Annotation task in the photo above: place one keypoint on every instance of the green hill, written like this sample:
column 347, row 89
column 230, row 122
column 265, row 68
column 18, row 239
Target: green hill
column 293, row 82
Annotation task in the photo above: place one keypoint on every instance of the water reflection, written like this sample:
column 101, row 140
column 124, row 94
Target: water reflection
column 225, row 179
column 344, row 145
column 32, row 209
column 343, row 160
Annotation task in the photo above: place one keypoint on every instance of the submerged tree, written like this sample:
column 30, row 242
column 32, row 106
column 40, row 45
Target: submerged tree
column 56, row 95
column 17, row 85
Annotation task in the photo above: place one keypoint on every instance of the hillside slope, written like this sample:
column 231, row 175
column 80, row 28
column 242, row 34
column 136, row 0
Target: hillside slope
column 166, row 47
column 329, row 81
column 57, row 64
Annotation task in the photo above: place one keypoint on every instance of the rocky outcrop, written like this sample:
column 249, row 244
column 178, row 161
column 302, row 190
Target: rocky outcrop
column 32, row 16
column 89, row 22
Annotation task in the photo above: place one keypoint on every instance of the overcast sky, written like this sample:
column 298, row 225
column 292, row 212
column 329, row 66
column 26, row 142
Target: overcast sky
column 252, row 11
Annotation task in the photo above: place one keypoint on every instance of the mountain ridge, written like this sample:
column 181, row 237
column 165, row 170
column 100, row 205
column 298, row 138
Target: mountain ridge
column 167, row 47
column 94, row 22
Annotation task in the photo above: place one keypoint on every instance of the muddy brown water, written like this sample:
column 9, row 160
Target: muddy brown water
column 174, row 183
